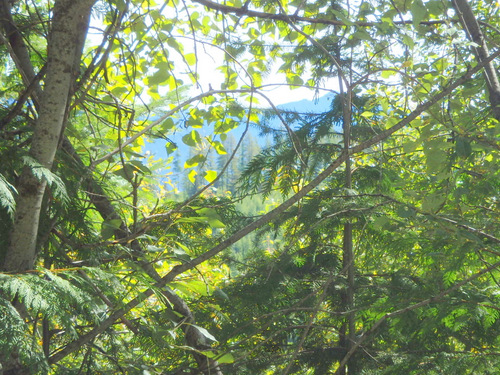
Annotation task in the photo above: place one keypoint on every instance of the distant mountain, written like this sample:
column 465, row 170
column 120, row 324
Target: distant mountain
column 319, row 105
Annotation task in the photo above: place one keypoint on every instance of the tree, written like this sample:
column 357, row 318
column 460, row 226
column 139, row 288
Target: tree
column 388, row 253
column 69, row 27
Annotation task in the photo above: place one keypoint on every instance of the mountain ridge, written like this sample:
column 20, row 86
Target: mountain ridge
column 321, row 104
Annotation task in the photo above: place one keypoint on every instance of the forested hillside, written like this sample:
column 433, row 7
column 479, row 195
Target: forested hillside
column 360, row 238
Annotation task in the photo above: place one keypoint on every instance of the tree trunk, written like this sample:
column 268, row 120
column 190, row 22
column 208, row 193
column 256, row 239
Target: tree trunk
column 347, row 330
column 473, row 31
column 69, row 26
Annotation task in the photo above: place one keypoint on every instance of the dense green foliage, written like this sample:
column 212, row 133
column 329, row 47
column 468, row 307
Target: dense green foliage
column 363, row 239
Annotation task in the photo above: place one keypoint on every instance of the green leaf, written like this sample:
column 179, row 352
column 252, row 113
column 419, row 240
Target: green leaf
column 387, row 73
column 188, row 286
column 432, row 202
column 224, row 358
column 181, row 254
column 190, row 58
column 213, row 218
column 405, row 212
column 131, row 153
column 418, row 12
column 172, row 42
column 436, row 160
column 167, row 125
column 408, row 40
column 154, row 249
column 108, row 228
column 192, row 176
column 141, row 167
column 129, row 170
column 159, row 77
column 204, row 332
column 119, row 91
column 409, row 147
column 170, row 147
column 210, row 176
column 172, row 315
column 194, row 161
column 218, row 146
column 441, row 64
column 463, row 147
column 192, row 139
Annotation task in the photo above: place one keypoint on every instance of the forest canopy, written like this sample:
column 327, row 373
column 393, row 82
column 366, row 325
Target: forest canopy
column 358, row 238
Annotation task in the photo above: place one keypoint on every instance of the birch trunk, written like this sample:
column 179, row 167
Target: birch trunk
column 70, row 20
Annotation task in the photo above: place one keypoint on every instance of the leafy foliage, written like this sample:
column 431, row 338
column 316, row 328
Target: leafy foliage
column 7, row 192
column 40, row 172
column 375, row 218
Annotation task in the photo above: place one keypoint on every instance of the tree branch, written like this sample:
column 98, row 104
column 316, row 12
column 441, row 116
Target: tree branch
column 244, row 11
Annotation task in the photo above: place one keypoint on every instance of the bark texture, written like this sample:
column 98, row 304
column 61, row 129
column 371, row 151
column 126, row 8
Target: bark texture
column 474, row 33
column 69, row 26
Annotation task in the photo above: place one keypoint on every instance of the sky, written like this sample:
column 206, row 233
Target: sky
column 210, row 57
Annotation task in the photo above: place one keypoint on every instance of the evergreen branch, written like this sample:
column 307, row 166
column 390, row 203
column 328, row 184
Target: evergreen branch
column 387, row 316
column 438, row 217
column 53, row 180
column 7, row 192
column 334, row 59
column 106, row 300
column 310, row 322
column 17, row 341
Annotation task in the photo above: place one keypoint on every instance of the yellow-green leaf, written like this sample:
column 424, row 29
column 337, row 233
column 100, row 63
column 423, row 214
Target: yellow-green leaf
column 192, row 176
column 210, row 176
